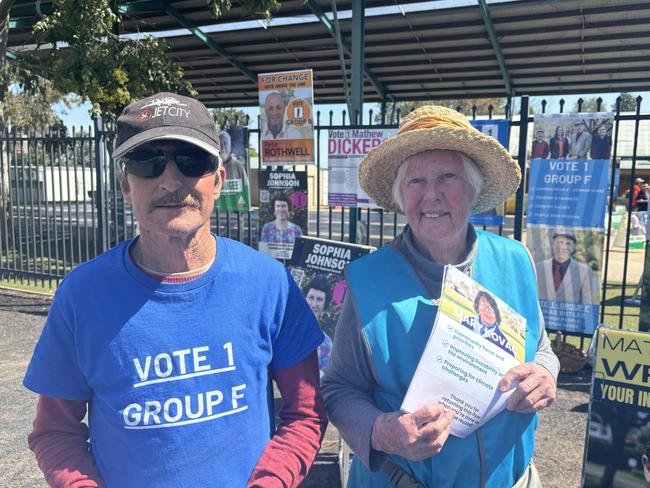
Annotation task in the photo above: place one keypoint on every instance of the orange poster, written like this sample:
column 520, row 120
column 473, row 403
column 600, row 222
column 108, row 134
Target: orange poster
column 287, row 123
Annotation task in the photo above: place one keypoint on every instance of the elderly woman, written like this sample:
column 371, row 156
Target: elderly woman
column 436, row 170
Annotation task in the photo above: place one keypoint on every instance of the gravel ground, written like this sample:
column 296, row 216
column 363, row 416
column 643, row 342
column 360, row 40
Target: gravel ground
column 560, row 436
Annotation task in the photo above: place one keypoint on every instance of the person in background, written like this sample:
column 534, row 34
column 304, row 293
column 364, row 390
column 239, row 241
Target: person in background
column 437, row 170
column 166, row 341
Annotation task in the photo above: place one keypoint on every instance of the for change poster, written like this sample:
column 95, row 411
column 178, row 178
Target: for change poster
column 346, row 148
column 618, row 443
column 287, row 124
column 499, row 129
column 235, row 191
column 283, row 211
column 567, row 196
column 317, row 267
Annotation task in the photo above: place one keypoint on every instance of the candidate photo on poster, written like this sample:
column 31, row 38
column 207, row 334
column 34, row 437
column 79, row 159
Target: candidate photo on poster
column 280, row 230
column 235, row 191
column 274, row 124
column 579, row 136
column 565, row 265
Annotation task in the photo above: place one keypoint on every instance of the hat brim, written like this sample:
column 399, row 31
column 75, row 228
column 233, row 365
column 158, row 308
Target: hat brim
column 186, row 134
column 501, row 173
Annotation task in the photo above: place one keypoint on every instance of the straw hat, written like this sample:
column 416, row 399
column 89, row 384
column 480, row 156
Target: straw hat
column 434, row 127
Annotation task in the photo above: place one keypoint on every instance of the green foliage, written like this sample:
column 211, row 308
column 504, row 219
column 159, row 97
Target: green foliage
column 33, row 110
column 254, row 7
column 482, row 106
column 589, row 104
column 628, row 102
column 97, row 64
column 225, row 117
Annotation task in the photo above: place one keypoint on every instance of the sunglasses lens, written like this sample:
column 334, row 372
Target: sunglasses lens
column 193, row 166
column 148, row 162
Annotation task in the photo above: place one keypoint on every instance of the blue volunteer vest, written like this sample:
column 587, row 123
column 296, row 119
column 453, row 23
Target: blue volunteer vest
column 397, row 318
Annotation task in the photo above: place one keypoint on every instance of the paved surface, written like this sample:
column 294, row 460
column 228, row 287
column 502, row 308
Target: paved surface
column 560, row 436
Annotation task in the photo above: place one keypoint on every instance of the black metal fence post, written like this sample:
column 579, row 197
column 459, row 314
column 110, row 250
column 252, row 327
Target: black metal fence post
column 99, row 191
column 523, row 137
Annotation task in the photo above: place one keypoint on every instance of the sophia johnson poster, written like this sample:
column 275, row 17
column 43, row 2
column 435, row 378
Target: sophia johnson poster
column 287, row 123
column 317, row 266
column 617, row 453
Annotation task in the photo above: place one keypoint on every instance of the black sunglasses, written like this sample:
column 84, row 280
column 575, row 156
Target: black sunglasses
column 149, row 161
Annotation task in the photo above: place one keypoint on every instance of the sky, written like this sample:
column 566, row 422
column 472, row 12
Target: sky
column 79, row 115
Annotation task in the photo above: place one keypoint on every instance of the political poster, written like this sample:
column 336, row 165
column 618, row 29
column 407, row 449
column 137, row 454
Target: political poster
column 235, row 191
column 617, row 452
column 345, row 149
column 283, row 214
column 317, row 267
column 287, row 124
column 500, row 130
column 567, row 197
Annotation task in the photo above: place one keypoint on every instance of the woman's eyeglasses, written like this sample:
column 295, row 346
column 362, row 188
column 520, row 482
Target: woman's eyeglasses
column 149, row 161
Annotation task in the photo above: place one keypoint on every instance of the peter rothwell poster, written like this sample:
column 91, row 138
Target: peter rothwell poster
column 476, row 339
column 617, row 453
column 283, row 214
column 317, row 267
column 235, row 191
column 287, row 123
column 567, row 196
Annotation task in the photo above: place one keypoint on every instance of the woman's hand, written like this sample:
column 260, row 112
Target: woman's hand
column 414, row 436
column 535, row 391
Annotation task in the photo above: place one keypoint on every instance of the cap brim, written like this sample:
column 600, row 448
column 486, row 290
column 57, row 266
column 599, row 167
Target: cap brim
column 186, row 134
column 501, row 173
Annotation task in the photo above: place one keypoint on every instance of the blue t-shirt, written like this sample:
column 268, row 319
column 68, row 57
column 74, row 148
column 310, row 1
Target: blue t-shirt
column 176, row 375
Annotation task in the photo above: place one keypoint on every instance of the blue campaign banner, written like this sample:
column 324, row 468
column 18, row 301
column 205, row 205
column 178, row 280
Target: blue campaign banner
column 487, row 219
column 497, row 128
column 568, row 192
column 577, row 318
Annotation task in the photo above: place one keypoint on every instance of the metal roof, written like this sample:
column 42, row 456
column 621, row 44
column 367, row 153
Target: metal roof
column 546, row 46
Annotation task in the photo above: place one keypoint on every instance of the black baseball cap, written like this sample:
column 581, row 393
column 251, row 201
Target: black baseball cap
column 166, row 116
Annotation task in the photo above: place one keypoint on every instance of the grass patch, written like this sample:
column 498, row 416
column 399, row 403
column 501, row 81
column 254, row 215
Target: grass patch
column 31, row 286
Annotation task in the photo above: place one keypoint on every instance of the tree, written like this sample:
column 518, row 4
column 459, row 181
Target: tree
column 628, row 102
column 589, row 104
column 225, row 117
column 464, row 105
column 33, row 111
column 97, row 65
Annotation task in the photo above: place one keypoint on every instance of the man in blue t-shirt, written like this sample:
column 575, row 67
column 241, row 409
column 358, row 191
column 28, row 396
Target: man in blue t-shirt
column 170, row 340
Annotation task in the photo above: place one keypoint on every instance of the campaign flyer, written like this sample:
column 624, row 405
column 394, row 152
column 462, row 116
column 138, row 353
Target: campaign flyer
column 476, row 339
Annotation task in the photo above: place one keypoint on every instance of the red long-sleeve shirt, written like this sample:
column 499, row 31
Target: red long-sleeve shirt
column 59, row 438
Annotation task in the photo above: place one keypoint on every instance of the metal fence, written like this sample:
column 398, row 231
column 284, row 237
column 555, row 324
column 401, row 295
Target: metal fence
column 64, row 205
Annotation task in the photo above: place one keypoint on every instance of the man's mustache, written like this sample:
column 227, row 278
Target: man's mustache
column 175, row 199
